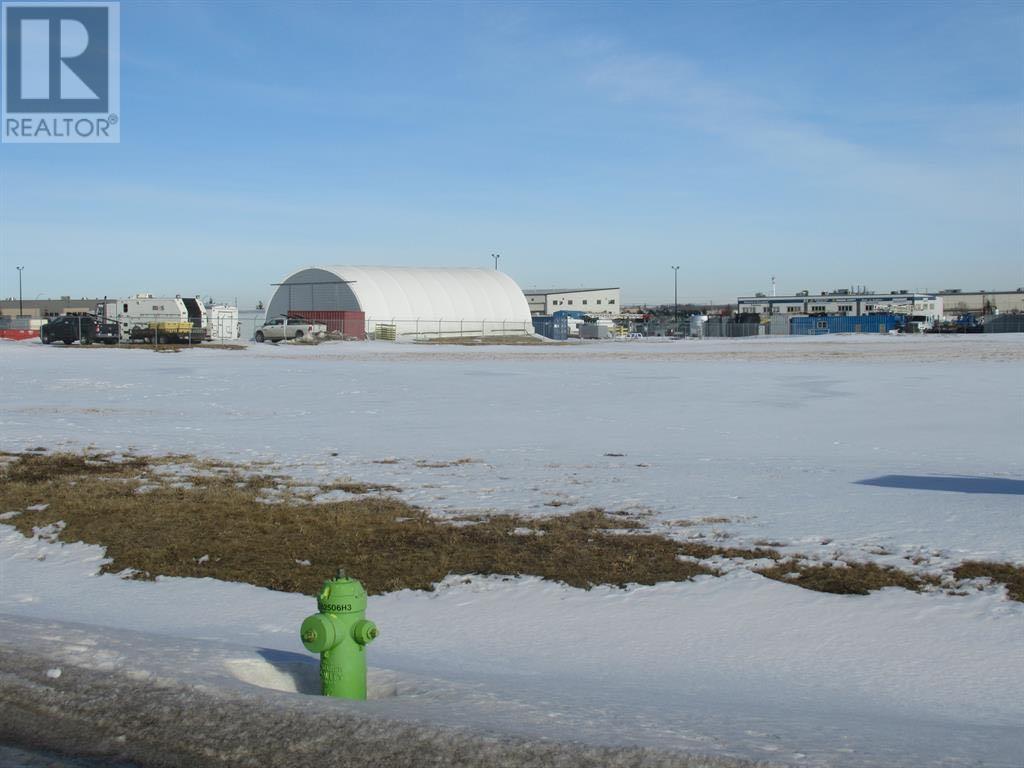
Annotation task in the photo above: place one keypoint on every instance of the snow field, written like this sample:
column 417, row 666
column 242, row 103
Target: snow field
column 793, row 442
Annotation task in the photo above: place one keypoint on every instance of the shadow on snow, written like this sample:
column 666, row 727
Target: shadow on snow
column 955, row 483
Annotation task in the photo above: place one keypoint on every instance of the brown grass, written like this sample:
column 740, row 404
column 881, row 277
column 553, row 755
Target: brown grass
column 703, row 551
column 851, row 579
column 1004, row 573
column 149, row 523
column 153, row 523
column 360, row 488
column 424, row 464
column 475, row 341
column 32, row 468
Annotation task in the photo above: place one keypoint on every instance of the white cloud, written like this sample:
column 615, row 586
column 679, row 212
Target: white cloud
column 975, row 187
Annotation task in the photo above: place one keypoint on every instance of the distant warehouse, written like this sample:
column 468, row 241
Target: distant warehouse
column 409, row 302
column 593, row 301
column 844, row 303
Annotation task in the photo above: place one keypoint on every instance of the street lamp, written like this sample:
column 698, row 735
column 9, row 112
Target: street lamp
column 21, row 307
column 675, row 274
column 495, row 256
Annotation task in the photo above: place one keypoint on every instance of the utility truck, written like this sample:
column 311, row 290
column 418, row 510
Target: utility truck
column 145, row 317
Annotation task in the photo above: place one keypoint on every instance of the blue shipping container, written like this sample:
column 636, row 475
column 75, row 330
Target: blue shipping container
column 810, row 326
column 556, row 327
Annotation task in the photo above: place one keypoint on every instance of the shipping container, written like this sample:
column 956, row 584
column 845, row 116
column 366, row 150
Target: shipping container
column 1005, row 324
column 778, row 325
column 823, row 324
column 553, row 327
column 726, row 327
column 602, row 329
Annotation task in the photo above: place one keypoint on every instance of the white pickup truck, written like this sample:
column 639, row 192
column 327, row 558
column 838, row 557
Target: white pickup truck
column 286, row 328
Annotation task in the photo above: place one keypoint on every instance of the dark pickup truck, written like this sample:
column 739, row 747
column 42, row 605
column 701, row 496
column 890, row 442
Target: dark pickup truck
column 84, row 329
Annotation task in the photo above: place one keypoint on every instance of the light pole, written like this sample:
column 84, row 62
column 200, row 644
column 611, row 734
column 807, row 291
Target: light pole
column 21, row 307
column 495, row 256
column 675, row 274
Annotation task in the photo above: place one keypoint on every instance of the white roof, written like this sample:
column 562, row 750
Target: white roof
column 432, row 293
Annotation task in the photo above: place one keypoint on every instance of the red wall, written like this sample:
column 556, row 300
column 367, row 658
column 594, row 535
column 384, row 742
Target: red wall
column 350, row 324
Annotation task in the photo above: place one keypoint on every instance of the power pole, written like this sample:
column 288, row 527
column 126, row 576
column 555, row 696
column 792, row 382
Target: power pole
column 21, row 306
column 675, row 273
column 495, row 256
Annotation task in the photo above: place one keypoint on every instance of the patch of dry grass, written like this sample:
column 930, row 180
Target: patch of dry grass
column 424, row 464
column 218, row 525
column 179, row 516
column 1004, row 573
column 33, row 468
column 360, row 488
column 476, row 341
column 847, row 579
column 703, row 551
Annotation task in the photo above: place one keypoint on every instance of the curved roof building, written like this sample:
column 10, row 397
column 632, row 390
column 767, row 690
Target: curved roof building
column 417, row 301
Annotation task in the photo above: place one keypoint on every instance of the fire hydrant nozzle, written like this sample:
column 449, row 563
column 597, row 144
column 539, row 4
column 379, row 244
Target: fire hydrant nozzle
column 340, row 633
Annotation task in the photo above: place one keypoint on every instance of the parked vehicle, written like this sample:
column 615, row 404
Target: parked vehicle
column 85, row 329
column 145, row 317
column 280, row 328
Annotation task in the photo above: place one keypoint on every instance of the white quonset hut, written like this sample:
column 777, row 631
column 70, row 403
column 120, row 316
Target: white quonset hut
column 412, row 301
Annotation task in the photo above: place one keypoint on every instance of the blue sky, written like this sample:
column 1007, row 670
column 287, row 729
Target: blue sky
column 877, row 144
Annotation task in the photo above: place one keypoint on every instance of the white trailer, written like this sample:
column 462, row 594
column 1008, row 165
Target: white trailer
column 222, row 323
column 144, row 315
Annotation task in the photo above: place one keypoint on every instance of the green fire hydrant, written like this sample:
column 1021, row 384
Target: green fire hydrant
column 340, row 633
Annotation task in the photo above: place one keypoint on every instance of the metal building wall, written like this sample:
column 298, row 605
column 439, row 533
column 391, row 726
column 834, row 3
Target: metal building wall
column 810, row 326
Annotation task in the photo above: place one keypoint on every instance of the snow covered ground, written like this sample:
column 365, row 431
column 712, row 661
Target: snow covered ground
column 905, row 451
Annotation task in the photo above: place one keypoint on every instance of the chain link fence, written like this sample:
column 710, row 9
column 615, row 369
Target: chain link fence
column 400, row 328
column 406, row 329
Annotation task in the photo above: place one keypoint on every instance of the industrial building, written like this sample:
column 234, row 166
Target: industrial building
column 65, row 305
column 845, row 302
column 593, row 301
column 958, row 302
column 409, row 302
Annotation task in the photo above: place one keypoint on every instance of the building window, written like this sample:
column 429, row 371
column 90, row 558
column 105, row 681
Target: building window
column 570, row 301
column 818, row 308
column 598, row 301
column 584, row 301
column 792, row 309
column 846, row 308
column 611, row 301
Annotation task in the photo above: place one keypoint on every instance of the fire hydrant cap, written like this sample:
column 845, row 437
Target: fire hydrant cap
column 318, row 633
column 364, row 631
column 341, row 596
